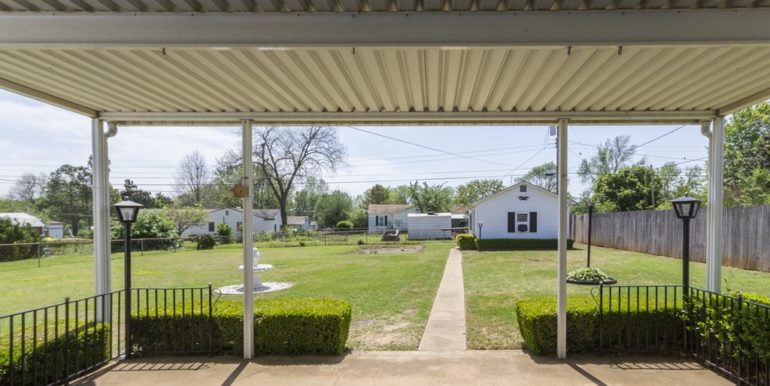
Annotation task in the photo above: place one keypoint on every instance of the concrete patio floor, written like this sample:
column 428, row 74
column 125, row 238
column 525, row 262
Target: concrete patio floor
column 407, row 368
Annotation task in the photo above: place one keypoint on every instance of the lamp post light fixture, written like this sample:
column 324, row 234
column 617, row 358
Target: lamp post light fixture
column 590, row 223
column 686, row 208
column 127, row 211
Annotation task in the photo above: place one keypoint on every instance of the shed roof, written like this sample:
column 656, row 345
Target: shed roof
column 513, row 188
column 24, row 219
column 375, row 209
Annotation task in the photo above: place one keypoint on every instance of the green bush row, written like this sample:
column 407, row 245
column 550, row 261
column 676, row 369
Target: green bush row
column 43, row 360
column 537, row 323
column 290, row 326
column 519, row 244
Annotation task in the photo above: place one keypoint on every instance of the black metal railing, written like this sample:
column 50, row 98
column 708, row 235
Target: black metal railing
column 640, row 319
column 155, row 323
column 730, row 334
column 59, row 342
column 55, row 343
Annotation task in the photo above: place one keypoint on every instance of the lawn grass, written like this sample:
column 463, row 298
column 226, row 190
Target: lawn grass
column 391, row 293
column 495, row 281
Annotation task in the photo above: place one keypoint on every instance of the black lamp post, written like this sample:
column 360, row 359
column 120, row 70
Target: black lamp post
column 686, row 209
column 590, row 222
column 127, row 214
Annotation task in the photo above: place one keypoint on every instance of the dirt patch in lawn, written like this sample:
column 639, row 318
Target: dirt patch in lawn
column 398, row 333
column 390, row 249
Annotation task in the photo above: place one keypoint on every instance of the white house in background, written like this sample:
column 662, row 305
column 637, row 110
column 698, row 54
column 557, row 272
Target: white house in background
column 522, row 211
column 429, row 226
column 264, row 220
column 384, row 217
column 298, row 223
column 25, row 219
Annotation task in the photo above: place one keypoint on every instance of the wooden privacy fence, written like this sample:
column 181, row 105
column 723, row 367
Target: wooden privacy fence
column 746, row 234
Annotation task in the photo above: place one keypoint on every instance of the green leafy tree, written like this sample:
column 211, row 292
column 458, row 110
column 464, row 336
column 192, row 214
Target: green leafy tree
column 543, row 176
column 305, row 202
column 229, row 172
column 747, row 157
column 333, row 208
column 13, row 233
column 628, row 189
column 670, row 177
column 475, row 190
column 614, row 154
column 185, row 217
column 68, row 196
column 225, row 233
column 399, row 195
column 377, row 194
column 359, row 217
column 133, row 193
column 430, row 198
column 150, row 224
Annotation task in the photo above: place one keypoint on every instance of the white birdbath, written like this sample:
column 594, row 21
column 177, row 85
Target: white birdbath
column 259, row 286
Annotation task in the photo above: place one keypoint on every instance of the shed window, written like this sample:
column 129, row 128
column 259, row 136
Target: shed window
column 227, row 213
column 377, row 221
column 522, row 217
column 211, row 227
column 386, row 221
column 523, row 188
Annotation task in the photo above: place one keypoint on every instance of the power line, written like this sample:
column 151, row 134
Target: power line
column 425, row 147
column 661, row 136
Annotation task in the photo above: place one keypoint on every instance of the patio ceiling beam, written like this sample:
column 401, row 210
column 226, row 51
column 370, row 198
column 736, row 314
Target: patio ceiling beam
column 47, row 98
column 451, row 29
column 425, row 118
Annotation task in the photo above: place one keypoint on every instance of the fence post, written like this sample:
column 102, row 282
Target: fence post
column 141, row 242
column 66, row 337
column 601, row 314
column 366, row 238
column 325, row 240
column 211, row 322
column 38, row 255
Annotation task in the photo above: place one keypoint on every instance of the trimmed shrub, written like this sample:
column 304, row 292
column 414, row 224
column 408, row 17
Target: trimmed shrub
column 302, row 326
column 520, row 244
column 345, row 225
column 87, row 348
column 466, row 241
column 205, row 242
column 537, row 323
column 13, row 233
column 290, row 326
column 225, row 233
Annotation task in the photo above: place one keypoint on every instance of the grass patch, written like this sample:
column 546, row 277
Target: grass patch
column 391, row 293
column 496, row 281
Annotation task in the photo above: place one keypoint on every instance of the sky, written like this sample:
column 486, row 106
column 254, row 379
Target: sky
column 37, row 138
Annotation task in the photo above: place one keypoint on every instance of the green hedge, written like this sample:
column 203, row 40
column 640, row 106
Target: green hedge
column 87, row 348
column 519, row 244
column 537, row 323
column 466, row 241
column 290, row 326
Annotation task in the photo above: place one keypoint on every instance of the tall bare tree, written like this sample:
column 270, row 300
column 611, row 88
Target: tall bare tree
column 192, row 176
column 287, row 156
column 29, row 188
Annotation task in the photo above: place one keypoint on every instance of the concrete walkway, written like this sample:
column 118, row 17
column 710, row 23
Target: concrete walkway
column 445, row 330
column 460, row 368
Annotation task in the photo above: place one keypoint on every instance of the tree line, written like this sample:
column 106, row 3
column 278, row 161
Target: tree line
column 288, row 162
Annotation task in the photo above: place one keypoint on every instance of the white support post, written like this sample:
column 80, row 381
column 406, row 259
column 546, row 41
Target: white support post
column 714, row 250
column 101, row 215
column 248, row 258
column 561, row 277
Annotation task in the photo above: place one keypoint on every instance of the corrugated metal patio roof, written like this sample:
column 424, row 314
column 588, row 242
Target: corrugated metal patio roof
column 230, row 6
column 395, row 80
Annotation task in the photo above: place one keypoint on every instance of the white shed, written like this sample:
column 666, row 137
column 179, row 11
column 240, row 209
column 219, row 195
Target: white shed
column 429, row 226
column 264, row 220
column 522, row 211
